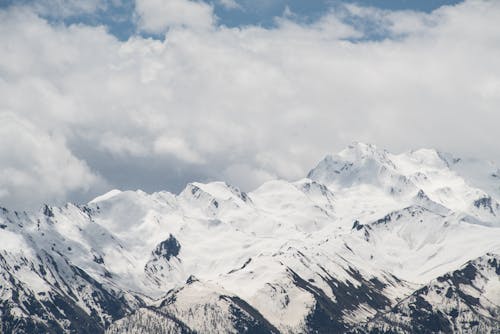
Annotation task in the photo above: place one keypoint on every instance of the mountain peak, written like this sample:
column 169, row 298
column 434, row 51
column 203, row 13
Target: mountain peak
column 358, row 162
column 432, row 157
column 106, row 196
column 286, row 256
column 359, row 150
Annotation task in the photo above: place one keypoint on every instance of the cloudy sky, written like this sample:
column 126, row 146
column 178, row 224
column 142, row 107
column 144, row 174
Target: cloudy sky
column 152, row 94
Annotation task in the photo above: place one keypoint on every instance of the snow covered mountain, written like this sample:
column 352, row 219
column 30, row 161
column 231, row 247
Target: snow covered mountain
column 369, row 242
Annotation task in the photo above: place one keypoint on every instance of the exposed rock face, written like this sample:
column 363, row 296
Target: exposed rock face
column 462, row 301
column 168, row 248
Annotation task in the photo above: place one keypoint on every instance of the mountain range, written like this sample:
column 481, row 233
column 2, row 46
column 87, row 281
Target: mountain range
column 368, row 242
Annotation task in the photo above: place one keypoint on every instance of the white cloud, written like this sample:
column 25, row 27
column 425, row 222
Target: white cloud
column 37, row 166
column 230, row 4
column 64, row 8
column 155, row 16
column 121, row 145
column 178, row 148
column 243, row 104
column 246, row 176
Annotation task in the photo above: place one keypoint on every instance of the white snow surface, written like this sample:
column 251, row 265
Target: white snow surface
column 415, row 215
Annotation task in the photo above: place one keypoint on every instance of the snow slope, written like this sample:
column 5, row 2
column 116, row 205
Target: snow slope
column 364, row 232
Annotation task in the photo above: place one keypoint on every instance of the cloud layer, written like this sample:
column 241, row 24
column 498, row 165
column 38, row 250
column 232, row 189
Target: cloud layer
column 82, row 111
column 155, row 16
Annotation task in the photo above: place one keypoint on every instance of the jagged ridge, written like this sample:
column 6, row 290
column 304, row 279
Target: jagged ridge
column 365, row 239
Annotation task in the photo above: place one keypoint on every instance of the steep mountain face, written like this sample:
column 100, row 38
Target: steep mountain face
column 369, row 242
column 196, row 307
column 466, row 300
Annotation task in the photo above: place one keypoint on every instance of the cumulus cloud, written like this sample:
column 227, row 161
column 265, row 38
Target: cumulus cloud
column 66, row 8
column 155, row 16
column 37, row 166
column 178, row 148
column 241, row 104
column 230, row 4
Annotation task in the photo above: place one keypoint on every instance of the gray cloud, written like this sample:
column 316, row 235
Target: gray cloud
column 244, row 105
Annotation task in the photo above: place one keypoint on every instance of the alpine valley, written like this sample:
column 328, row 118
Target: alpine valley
column 368, row 242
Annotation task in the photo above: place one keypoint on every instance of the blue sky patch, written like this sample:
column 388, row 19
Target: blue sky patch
column 118, row 16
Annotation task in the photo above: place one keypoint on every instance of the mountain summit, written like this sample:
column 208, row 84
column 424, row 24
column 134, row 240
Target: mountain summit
column 369, row 242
